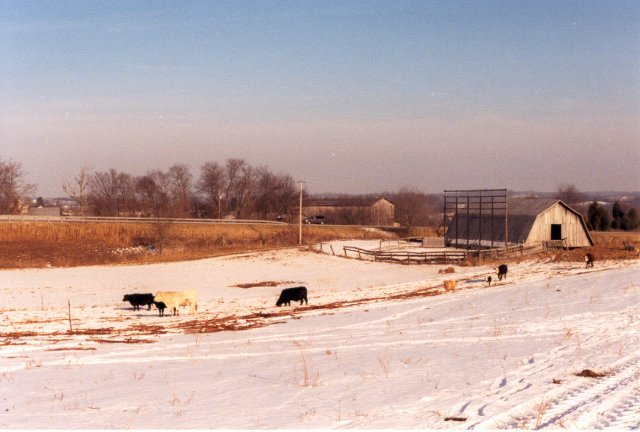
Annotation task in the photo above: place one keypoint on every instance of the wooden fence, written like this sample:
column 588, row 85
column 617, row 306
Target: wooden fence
column 434, row 257
column 407, row 257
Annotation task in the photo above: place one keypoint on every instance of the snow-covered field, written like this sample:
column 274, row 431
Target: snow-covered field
column 379, row 346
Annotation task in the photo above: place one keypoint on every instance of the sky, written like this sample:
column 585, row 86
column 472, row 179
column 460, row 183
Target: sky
column 348, row 96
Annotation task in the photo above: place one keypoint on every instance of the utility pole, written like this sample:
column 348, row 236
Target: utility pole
column 301, row 183
column 219, row 205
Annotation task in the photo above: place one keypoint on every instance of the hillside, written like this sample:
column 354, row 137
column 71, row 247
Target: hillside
column 380, row 345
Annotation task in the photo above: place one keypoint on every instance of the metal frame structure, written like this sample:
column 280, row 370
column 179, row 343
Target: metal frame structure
column 474, row 207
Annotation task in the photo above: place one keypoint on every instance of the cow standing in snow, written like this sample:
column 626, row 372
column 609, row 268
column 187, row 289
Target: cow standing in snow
column 588, row 259
column 502, row 271
column 138, row 300
column 292, row 294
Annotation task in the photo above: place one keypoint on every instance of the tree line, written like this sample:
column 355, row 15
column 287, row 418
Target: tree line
column 236, row 188
column 597, row 217
column 218, row 190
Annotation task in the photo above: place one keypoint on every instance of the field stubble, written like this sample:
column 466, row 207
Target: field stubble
column 56, row 244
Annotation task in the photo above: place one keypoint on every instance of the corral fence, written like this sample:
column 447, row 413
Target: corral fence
column 435, row 257
column 406, row 257
column 140, row 220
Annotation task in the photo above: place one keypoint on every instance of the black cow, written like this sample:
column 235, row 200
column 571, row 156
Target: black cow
column 161, row 307
column 489, row 280
column 138, row 300
column 588, row 258
column 502, row 271
column 292, row 294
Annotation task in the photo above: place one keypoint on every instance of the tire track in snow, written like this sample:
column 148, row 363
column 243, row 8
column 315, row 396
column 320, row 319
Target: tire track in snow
column 585, row 403
column 624, row 414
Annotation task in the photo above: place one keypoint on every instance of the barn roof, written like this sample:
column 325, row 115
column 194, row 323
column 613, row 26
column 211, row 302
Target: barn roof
column 530, row 206
column 522, row 213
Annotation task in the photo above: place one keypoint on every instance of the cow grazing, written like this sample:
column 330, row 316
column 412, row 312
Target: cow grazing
column 161, row 307
column 502, row 271
column 292, row 294
column 588, row 259
column 489, row 280
column 138, row 300
column 174, row 299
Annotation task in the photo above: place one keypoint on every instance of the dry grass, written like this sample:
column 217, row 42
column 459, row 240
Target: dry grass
column 64, row 244
column 61, row 244
column 608, row 246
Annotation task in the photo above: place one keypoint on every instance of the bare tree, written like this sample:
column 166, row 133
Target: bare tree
column 274, row 193
column 233, row 171
column 12, row 186
column 265, row 188
column 211, row 185
column 285, row 193
column 108, row 192
column 414, row 208
column 127, row 195
column 78, row 189
column 245, row 192
column 152, row 191
column 569, row 194
column 181, row 190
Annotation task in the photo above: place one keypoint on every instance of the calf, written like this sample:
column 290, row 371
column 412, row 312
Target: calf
column 174, row 299
column 292, row 294
column 588, row 258
column 161, row 307
column 449, row 285
column 502, row 271
column 138, row 300
column 489, row 280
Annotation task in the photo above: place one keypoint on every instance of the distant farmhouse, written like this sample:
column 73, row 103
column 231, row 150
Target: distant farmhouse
column 530, row 222
column 349, row 211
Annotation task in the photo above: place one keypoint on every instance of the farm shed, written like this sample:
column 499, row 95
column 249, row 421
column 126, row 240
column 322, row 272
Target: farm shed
column 351, row 211
column 530, row 222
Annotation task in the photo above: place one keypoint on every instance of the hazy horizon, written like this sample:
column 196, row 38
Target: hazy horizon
column 349, row 96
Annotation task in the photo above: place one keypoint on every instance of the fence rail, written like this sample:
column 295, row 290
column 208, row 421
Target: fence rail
column 94, row 219
column 434, row 257
column 407, row 257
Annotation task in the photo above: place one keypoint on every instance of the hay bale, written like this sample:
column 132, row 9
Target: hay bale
column 449, row 285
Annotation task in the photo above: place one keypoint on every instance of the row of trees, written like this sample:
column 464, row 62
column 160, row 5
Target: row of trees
column 233, row 188
column 220, row 189
column 598, row 218
column 239, row 189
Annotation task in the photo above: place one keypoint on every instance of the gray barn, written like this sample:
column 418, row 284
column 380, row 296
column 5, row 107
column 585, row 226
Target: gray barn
column 530, row 222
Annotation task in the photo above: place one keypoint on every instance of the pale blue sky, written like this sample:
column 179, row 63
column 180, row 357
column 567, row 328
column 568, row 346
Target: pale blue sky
column 351, row 96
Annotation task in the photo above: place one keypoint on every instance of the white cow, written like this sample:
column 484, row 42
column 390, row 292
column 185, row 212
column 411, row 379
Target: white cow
column 175, row 299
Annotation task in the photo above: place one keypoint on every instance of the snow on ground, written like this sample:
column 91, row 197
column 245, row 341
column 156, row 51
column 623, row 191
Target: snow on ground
column 379, row 346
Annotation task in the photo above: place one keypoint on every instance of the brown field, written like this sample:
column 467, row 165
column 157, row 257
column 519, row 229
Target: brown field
column 56, row 244
column 608, row 246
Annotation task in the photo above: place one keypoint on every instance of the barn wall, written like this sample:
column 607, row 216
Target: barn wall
column 572, row 228
column 383, row 213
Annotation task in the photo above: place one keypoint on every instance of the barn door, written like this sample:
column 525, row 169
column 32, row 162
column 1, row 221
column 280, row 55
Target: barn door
column 556, row 232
